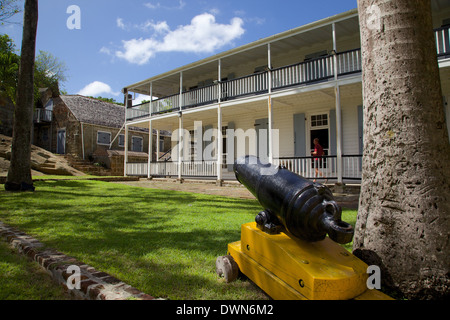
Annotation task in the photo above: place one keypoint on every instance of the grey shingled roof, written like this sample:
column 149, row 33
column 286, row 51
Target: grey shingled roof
column 96, row 112
column 93, row 111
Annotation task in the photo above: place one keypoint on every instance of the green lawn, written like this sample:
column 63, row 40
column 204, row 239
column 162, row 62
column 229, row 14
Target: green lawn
column 164, row 243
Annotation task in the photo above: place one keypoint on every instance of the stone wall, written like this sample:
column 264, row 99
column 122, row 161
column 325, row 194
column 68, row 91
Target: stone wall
column 116, row 159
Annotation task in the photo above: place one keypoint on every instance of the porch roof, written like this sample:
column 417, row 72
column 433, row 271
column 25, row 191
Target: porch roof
column 306, row 35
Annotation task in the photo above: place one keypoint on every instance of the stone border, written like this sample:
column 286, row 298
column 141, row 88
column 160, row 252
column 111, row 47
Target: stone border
column 94, row 285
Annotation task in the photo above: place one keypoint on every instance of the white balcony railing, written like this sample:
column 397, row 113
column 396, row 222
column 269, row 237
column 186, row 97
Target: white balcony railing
column 304, row 166
column 443, row 40
column 166, row 104
column 139, row 111
column 199, row 168
column 164, row 168
column 137, row 169
column 327, row 166
column 302, row 73
column 200, row 96
column 349, row 62
column 251, row 84
column 170, row 169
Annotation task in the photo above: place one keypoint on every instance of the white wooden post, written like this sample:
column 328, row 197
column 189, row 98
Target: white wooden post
column 180, row 145
column 338, row 110
column 150, row 147
column 219, row 145
column 269, row 105
column 219, row 126
column 269, row 64
column 180, row 98
column 158, row 137
column 125, row 156
column 150, row 107
column 219, row 84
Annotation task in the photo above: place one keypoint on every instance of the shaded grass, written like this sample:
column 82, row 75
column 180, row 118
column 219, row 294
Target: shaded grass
column 349, row 216
column 164, row 243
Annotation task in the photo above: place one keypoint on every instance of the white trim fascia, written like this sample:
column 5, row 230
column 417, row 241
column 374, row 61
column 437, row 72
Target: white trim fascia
column 317, row 87
column 198, row 109
column 444, row 63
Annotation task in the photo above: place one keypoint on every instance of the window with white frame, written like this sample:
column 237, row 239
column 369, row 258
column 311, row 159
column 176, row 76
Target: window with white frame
column 103, row 138
column 319, row 120
column 121, row 140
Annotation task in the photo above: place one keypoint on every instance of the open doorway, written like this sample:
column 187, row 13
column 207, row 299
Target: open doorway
column 319, row 128
column 322, row 135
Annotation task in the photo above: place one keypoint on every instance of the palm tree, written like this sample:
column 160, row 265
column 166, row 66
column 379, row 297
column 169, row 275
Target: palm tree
column 19, row 173
column 403, row 222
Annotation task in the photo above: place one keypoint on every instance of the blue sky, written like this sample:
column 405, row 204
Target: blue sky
column 123, row 42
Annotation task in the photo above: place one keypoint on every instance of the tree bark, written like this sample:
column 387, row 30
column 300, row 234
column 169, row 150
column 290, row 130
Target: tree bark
column 19, row 173
column 403, row 218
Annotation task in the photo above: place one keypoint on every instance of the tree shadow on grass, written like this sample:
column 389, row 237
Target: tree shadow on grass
column 131, row 232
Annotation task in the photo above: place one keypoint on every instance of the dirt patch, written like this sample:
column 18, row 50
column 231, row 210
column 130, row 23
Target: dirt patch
column 230, row 189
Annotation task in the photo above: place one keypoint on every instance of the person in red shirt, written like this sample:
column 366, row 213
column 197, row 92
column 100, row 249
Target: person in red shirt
column 318, row 160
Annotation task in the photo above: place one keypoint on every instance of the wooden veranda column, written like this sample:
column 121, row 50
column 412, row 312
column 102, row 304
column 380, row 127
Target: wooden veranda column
column 337, row 95
column 219, row 145
column 150, row 141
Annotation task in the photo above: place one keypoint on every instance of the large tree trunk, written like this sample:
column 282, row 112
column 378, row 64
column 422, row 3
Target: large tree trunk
column 403, row 219
column 19, row 173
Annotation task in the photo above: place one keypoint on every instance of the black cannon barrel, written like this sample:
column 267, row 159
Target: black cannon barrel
column 305, row 209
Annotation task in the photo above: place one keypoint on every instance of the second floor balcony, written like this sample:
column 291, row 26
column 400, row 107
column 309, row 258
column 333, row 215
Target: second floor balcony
column 320, row 69
column 307, row 72
column 42, row 115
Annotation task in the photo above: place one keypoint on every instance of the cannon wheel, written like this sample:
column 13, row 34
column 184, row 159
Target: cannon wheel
column 227, row 267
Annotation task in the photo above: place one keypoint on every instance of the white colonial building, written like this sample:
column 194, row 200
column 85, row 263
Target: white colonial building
column 301, row 84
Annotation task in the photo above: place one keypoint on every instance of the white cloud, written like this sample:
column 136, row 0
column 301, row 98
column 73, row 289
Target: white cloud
column 97, row 88
column 159, row 27
column 203, row 34
column 152, row 5
column 120, row 23
column 181, row 4
column 105, row 50
column 138, row 51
